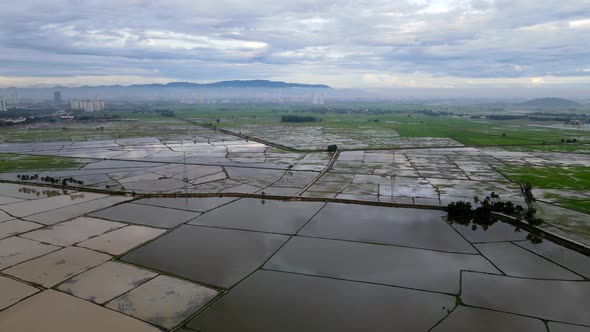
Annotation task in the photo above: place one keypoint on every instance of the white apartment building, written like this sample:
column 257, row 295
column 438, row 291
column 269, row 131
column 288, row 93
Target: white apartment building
column 87, row 105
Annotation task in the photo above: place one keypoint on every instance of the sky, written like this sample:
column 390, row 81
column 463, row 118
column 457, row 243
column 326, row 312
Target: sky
column 345, row 44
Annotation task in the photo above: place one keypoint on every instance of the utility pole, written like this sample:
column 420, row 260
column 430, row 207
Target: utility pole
column 185, row 174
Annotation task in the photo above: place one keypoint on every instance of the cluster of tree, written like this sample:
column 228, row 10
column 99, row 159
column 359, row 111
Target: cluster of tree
column 506, row 117
column 49, row 179
column 26, row 177
column 30, row 111
column 166, row 113
column 524, row 117
column 464, row 213
column 569, row 140
column 162, row 111
column 432, row 113
column 298, row 118
column 555, row 117
column 346, row 110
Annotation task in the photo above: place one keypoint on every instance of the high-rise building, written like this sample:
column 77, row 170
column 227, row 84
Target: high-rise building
column 318, row 99
column 3, row 105
column 15, row 100
column 57, row 97
column 87, row 105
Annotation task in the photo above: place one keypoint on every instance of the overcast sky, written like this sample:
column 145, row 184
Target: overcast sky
column 354, row 43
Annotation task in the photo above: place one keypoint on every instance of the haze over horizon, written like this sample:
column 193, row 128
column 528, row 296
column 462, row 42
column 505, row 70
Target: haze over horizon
column 365, row 44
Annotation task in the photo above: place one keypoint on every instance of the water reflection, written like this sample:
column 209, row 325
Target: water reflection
column 77, row 196
column 534, row 239
column 474, row 223
column 484, row 214
column 50, row 192
column 492, row 225
column 44, row 193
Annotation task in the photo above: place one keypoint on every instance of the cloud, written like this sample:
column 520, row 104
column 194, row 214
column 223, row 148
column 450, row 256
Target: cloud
column 353, row 43
column 96, row 80
column 583, row 24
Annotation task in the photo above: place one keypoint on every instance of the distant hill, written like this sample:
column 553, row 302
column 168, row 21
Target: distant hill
column 241, row 89
column 223, row 84
column 252, row 84
column 550, row 102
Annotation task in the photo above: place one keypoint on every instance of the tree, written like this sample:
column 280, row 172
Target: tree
column 527, row 191
column 332, row 148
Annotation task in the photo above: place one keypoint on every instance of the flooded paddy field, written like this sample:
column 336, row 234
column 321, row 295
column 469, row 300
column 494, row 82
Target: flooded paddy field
column 215, row 162
column 252, row 264
column 217, row 232
column 318, row 138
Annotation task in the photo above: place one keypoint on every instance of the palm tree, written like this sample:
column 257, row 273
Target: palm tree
column 528, row 193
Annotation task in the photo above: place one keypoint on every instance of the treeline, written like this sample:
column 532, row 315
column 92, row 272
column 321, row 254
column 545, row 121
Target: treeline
column 163, row 112
column 166, row 113
column 502, row 117
column 337, row 110
column 567, row 115
column 4, row 122
column 87, row 117
column 298, row 118
column 432, row 113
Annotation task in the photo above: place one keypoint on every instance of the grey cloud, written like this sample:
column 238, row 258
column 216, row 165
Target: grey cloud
column 202, row 40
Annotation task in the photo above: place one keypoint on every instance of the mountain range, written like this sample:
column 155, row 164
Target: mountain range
column 243, row 89
column 222, row 84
